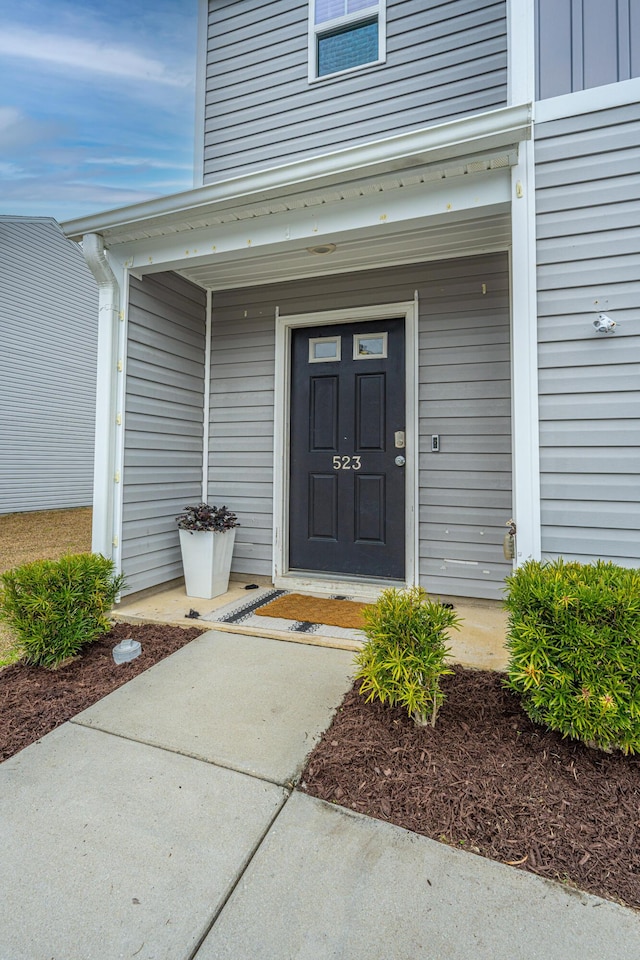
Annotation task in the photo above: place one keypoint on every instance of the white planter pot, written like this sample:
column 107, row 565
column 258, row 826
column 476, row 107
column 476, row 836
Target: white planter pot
column 206, row 560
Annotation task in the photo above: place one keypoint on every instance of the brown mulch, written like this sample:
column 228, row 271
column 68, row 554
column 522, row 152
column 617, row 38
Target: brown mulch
column 34, row 701
column 488, row 780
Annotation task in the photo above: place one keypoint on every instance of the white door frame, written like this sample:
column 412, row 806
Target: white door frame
column 321, row 582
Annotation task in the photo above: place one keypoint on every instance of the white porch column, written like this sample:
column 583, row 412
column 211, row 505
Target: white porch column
column 106, row 481
column 524, row 364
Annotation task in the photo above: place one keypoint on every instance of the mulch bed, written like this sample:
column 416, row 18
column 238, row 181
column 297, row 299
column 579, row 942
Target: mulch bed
column 34, row 701
column 487, row 780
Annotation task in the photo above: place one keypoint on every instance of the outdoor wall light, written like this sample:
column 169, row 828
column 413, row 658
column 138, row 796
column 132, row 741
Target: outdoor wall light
column 322, row 248
column 604, row 324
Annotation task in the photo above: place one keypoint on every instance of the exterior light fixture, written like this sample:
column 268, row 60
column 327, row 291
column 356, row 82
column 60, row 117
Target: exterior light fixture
column 604, row 324
column 322, row 249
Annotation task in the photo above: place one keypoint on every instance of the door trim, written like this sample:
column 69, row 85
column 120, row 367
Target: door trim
column 321, row 582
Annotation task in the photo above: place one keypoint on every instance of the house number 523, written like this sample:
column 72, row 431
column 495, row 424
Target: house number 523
column 347, row 463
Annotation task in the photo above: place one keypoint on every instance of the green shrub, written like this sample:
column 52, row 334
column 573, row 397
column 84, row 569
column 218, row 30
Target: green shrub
column 55, row 607
column 404, row 656
column 574, row 642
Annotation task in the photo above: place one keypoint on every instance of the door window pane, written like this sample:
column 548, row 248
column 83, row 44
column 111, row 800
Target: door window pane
column 324, row 349
column 369, row 346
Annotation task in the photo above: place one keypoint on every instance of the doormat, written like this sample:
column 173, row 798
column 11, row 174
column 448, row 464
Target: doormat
column 243, row 617
column 304, row 609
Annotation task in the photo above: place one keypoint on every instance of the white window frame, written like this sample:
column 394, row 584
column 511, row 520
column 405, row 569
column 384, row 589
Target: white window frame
column 377, row 9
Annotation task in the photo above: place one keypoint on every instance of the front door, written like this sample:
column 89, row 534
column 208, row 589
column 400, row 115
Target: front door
column 347, row 475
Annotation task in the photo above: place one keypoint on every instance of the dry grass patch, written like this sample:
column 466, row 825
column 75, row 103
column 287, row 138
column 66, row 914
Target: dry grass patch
column 44, row 535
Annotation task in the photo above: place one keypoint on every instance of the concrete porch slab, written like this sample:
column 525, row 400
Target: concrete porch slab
column 114, row 849
column 479, row 643
column 328, row 884
column 251, row 704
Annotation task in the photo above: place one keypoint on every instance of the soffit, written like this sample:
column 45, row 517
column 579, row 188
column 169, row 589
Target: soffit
column 441, row 240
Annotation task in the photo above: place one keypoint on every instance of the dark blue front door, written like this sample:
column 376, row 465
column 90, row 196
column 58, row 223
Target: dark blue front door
column 347, row 493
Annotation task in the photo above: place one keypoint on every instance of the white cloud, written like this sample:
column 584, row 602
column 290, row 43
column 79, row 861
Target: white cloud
column 18, row 131
column 9, row 117
column 11, row 171
column 76, row 54
column 146, row 162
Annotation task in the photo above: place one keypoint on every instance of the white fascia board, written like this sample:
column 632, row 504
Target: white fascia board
column 496, row 128
column 462, row 197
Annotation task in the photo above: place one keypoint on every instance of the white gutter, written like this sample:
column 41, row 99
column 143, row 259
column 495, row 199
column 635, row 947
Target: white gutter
column 104, row 478
column 456, row 138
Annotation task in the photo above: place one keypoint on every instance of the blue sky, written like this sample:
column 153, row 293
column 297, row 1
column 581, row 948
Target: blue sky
column 96, row 103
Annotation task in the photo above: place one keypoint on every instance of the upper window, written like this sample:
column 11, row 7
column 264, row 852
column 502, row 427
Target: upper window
column 345, row 35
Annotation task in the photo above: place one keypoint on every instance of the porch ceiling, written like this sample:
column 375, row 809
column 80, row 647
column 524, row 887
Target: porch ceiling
column 441, row 239
column 434, row 212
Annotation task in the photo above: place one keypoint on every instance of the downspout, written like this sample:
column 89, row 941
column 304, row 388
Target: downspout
column 206, row 426
column 105, row 478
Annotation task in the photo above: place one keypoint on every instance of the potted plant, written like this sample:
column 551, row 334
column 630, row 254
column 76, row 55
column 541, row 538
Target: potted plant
column 207, row 534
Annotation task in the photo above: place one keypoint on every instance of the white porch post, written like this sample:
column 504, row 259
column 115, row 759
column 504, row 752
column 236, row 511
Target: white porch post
column 524, row 338
column 105, row 475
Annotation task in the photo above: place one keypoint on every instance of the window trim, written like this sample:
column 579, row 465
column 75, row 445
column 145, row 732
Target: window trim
column 377, row 11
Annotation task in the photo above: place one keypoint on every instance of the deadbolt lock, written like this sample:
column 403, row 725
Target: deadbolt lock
column 399, row 439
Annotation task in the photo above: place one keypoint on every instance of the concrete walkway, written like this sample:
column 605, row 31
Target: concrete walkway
column 162, row 824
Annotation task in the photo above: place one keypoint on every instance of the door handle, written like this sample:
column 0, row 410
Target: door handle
column 400, row 461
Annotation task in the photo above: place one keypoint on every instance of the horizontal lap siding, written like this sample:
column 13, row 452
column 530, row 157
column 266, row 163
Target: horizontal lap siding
column 444, row 60
column 164, row 424
column 241, row 422
column 48, row 344
column 588, row 253
column 465, row 491
column 465, row 399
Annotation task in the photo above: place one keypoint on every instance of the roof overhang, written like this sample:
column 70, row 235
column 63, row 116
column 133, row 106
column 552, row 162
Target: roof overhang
column 467, row 147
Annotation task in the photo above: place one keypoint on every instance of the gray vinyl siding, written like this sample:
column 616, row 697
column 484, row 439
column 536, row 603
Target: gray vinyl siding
column 48, row 343
column 444, row 61
column 465, row 490
column 588, row 253
column 585, row 43
column 164, row 424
